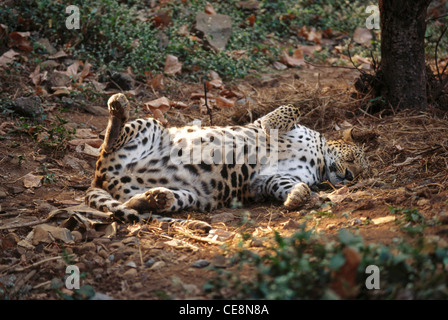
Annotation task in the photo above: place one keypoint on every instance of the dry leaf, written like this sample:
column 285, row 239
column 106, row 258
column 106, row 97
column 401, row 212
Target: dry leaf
column 209, row 9
column 172, row 65
column 310, row 34
column 96, row 143
column 32, row 181
column 179, row 104
column 19, row 40
column 37, row 77
column 158, row 108
column 362, row 36
column 7, row 58
column 72, row 70
column 214, row 84
column 57, row 55
column 309, row 50
column 214, row 75
column 279, row 66
column 344, row 280
column 158, row 82
column 224, row 103
column 85, row 71
column 295, row 60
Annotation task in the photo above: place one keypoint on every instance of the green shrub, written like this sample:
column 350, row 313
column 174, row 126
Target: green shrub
column 305, row 265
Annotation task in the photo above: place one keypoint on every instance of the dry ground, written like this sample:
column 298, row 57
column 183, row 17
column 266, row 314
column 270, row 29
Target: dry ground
column 407, row 151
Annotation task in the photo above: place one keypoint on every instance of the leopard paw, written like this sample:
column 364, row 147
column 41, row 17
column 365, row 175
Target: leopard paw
column 298, row 196
column 118, row 106
column 160, row 199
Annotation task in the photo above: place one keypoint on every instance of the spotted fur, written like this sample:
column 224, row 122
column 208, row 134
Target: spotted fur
column 138, row 174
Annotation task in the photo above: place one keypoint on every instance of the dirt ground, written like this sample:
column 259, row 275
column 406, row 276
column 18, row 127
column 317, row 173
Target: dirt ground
column 407, row 151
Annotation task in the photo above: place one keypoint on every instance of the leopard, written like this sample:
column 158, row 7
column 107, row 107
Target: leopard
column 147, row 171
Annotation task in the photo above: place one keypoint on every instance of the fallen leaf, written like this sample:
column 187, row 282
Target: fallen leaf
column 279, row 66
column 57, row 55
column 362, row 36
column 37, row 77
column 158, row 82
column 179, row 104
column 172, row 65
column 214, row 84
column 72, row 70
column 20, row 41
column 32, row 181
column 224, row 103
column 88, row 150
column 158, row 108
column 85, row 71
column 309, row 50
column 214, row 75
column 7, row 58
column 96, row 143
column 344, row 279
column 209, row 9
column 310, row 34
column 297, row 59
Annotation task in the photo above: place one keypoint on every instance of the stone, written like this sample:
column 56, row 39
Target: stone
column 222, row 217
column 58, row 79
column 28, row 107
column 201, row 263
column 215, row 29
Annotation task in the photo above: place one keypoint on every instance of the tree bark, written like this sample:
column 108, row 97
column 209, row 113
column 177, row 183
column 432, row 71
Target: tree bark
column 402, row 65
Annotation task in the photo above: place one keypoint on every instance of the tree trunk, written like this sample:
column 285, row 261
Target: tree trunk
column 403, row 68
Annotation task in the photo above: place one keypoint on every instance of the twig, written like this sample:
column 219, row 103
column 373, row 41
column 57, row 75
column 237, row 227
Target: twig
column 209, row 111
column 26, row 224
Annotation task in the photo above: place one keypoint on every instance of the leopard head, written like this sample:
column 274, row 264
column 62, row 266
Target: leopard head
column 345, row 160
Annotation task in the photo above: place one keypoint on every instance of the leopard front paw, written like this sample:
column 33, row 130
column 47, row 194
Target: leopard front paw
column 298, row 196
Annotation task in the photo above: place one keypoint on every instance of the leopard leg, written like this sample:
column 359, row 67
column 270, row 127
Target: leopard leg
column 282, row 119
column 162, row 200
column 282, row 187
column 118, row 106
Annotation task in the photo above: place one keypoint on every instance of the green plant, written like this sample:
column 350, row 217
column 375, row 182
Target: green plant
column 307, row 266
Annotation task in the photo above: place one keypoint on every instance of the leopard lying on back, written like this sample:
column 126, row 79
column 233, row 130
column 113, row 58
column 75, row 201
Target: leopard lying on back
column 145, row 169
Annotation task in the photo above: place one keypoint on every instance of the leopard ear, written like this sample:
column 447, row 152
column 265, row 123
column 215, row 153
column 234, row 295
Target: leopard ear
column 347, row 135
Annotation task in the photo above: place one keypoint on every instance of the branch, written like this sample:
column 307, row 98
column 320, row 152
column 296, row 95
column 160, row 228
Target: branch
column 209, row 111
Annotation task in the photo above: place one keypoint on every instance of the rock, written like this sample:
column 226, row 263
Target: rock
column 101, row 296
column 28, row 107
column 219, row 261
column 121, row 81
column 132, row 272
column 131, row 264
column 57, row 79
column 96, row 110
column 215, row 29
column 149, row 263
column 291, row 224
column 48, row 65
column 47, row 45
column 222, row 217
column 158, row 265
column 201, row 263
column 3, row 194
